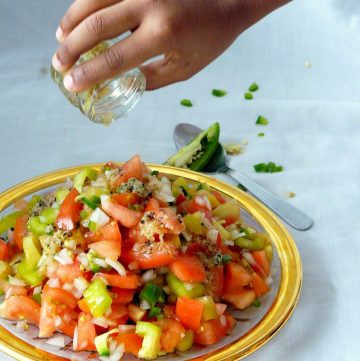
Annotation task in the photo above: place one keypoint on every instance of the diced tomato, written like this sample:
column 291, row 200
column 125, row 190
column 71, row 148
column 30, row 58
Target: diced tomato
column 236, row 277
column 67, row 273
column 111, row 165
column 117, row 311
column 188, row 269
column 261, row 259
column 126, row 199
column 82, row 304
column 11, row 290
column 235, row 256
column 125, row 216
column 60, row 295
column 130, row 281
column 20, row 231
column 259, row 285
column 135, row 312
column 152, row 205
column 210, row 332
column 69, row 213
column 196, row 205
column 230, row 220
column 220, row 308
column 181, row 198
column 169, row 311
column 133, row 168
column 189, row 311
column 67, row 328
column 194, row 248
column 109, row 232
column 153, row 256
column 107, row 249
column 131, row 341
column 218, row 241
column 20, row 308
column 240, row 299
column 216, row 281
column 85, row 333
column 48, row 313
column 218, row 196
column 4, row 251
column 122, row 296
column 172, row 333
column 230, row 321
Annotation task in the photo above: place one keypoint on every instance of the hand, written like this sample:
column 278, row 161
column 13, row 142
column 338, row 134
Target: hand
column 189, row 34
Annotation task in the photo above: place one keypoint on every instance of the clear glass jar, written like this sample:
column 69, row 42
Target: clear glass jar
column 109, row 100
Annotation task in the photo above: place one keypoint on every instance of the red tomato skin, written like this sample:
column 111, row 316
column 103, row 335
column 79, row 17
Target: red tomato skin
column 130, row 281
column 131, row 341
column 125, row 216
column 21, row 307
column 188, row 269
column 133, row 168
column 236, row 277
column 69, row 213
column 126, row 199
column 262, row 261
column 189, row 312
column 172, row 333
column 210, row 332
column 216, row 281
column 86, row 333
column 4, row 251
column 122, row 296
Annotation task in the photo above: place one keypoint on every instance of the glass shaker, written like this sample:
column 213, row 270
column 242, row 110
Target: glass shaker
column 109, row 100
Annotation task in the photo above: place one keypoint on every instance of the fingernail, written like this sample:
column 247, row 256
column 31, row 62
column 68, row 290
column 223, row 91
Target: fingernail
column 68, row 82
column 59, row 34
column 56, row 63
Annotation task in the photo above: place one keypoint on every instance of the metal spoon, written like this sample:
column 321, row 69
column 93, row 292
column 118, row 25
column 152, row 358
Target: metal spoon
column 218, row 166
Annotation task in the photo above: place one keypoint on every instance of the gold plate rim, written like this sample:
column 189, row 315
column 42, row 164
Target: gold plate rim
column 290, row 262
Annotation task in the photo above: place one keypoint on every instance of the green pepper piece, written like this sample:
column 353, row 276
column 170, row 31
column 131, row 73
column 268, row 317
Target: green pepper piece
column 190, row 290
column 60, row 194
column 154, row 312
column 218, row 92
column 33, row 201
column 209, row 310
column 9, row 220
column 151, row 343
column 261, row 120
column 187, row 342
column 97, row 298
column 36, row 226
column 186, row 102
column 48, row 215
column 193, row 223
column 254, row 244
column 248, row 96
column 33, row 278
column 80, row 178
column 228, row 209
column 93, row 202
column 152, row 294
column 202, row 148
column 5, row 270
column 253, row 87
column 101, row 343
column 225, row 235
column 37, row 298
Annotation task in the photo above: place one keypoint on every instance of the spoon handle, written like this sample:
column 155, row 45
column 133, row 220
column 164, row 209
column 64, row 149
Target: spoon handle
column 291, row 215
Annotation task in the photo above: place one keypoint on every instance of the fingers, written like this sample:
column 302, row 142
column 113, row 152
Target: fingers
column 165, row 72
column 125, row 55
column 102, row 25
column 77, row 12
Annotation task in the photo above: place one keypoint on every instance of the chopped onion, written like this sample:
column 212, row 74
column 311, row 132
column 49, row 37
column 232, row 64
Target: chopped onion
column 148, row 276
column 83, row 259
column 10, row 235
column 104, row 198
column 115, row 355
column 37, row 290
column 57, row 340
column 187, row 235
column 207, row 203
column 13, row 281
column 222, row 320
column 99, row 218
column 67, row 287
column 126, row 328
column 75, row 339
column 103, row 322
column 229, row 243
column 269, row 280
column 64, row 257
column 249, row 258
column 117, row 266
column 145, row 305
column 200, row 201
column 81, row 284
column 51, row 269
column 184, row 249
column 54, row 282
column 212, row 235
column 57, row 321
column 100, row 262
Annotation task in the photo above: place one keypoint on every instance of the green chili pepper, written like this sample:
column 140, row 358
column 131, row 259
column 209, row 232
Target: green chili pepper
column 92, row 202
column 218, row 92
column 152, row 294
column 261, row 120
column 248, row 96
column 154, row 312
column 253, row 87
column 186, row 103
column 199, row 151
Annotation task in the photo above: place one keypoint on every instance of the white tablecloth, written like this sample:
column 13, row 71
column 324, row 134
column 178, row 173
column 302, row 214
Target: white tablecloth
column 314, row 132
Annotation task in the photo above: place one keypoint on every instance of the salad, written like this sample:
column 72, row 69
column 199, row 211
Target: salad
column 126, row 260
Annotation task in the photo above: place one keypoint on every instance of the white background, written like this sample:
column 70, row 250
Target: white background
column 314, row 132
